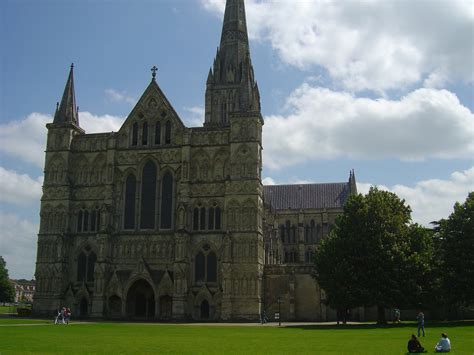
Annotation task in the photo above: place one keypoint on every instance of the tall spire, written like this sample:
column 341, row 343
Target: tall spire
column 67, row 112
column 231, row 85
column 234, row 27
column 352, row 182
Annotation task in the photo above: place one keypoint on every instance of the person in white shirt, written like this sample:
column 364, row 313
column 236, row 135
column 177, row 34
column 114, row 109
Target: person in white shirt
column 444, row 344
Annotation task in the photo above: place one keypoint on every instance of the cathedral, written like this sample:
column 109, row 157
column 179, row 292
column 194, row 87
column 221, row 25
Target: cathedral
column 160, row 221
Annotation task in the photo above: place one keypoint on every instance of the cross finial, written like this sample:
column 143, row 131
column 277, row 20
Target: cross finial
column 153, row 72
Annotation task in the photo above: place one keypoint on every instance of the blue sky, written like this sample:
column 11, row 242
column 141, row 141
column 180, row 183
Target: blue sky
column 385, row 88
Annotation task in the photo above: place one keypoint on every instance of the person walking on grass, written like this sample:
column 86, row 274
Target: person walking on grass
column 444, row 344
column 420, row 318
column 414, row 345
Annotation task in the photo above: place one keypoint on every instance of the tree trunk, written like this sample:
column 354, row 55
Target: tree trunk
column 381, row 315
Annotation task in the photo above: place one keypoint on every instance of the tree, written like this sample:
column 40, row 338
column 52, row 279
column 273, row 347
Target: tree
column 456, row 250
column 374, row 257
column 7, row 293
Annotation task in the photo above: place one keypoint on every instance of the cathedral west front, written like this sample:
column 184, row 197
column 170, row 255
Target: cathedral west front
column 160, row 221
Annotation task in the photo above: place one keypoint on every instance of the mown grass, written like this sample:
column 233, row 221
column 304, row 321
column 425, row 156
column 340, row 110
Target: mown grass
column 122, row 338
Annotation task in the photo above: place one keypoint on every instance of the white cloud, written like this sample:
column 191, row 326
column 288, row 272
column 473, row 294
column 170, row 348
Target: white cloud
column 325, row 124
column 432, row 199
column 19, row 189
column 18, row 245
column 119, row 96
column 26, row 139
column 99, row 124
column 368, row 44
column 194, row 116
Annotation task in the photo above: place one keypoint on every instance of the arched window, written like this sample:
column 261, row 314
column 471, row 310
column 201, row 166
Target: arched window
column 210, row 224
column 93, row 220
column 287, row 232
column 318, row 232
column 196, row 219
column 135, row 134
column 130, row 196
column 293, row 234
column 145, row 133
column 167, row 201
column 91, row 259
column 200, row 267
column 79, row 221
column 86, row 265
column 158, row 133
column 202, row 218
column 211, row 267
column 81, row 266
column 282, row 233
column 218, row 218
column 206, row 265
column 168, row 132
column 313, row 231
column 85, row 226
column 148, row 197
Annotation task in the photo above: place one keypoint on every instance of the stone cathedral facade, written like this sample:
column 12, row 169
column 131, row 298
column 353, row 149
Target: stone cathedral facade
column 160, row 221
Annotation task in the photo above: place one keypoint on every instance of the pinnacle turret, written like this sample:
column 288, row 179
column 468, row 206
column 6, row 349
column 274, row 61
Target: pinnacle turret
column 352, row 182
column 67, row 112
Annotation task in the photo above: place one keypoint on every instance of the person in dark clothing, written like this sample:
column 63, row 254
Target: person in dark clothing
column 414, row 345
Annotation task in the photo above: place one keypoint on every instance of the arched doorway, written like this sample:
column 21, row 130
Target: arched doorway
column 115, row 307
column 204, row 310
column 166, row 307
column 83, row 308
column 141, row 301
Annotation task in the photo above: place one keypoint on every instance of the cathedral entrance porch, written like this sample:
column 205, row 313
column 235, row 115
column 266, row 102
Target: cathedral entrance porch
column 141, row 301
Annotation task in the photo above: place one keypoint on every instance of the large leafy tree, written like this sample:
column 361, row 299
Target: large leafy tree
column 455, row 254
column 374, row 257
column 7, row 293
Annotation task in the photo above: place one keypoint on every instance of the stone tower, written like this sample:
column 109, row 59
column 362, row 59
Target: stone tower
column 51, row 267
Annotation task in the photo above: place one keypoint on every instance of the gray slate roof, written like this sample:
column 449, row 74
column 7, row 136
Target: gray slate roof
column 308, row 196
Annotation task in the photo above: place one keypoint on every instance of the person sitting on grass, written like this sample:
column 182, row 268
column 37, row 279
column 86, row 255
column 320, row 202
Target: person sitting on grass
column 414, row 345
column 444, row 344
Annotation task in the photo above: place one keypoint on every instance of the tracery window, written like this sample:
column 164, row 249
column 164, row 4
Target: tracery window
column 135, row 134
column 88, row 221
column 168, row 132
column 148, row 196
column 206, row 265
column 167, row 201
column 158, row 133
column 309, row 256
column 130, row 196
column 145, row 133
column 86, row 265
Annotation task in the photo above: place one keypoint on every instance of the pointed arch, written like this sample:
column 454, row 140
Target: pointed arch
column 167, row 187
column 168, row 132
column 134, row 137
column 129, row 202
column 145, row 133
column 148, row 196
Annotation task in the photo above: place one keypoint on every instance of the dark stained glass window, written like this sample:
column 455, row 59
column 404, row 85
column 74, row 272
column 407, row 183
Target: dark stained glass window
column 158, row 133
column 210, row 225
column 135, row 134
column 196, row 219
column 200, row 267
column 168, row 132
column 148, row 200
column 91, row 259
column 130, row 195
column 85, row 226
column 211, row 267
column 218, row 218
column 202, row 219
column 81, row 267
column 167, row 201
column 79, row 221
column 145, row 133
column 93, row 220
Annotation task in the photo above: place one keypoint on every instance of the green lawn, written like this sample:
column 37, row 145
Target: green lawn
column 7, row 309
column 121, row 338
